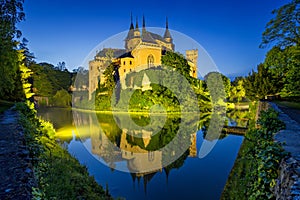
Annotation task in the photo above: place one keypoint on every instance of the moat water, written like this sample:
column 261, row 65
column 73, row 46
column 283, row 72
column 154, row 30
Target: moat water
column 138, row 167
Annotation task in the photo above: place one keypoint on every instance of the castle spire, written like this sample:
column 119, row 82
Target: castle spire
column 144, row 24
column 136, row 23
column 137, row 30
column 167, row 23
column 167, row 34
column 131, row 24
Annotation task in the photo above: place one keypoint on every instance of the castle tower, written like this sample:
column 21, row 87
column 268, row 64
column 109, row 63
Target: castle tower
column 144, row 26
column 133, row 37
column 137, row 30
column 192, row 57
column 167, row 36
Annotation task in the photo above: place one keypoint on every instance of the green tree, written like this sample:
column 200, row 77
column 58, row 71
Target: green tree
column 62, row 98
column 238, row 91
column 110, row 75
column 284, row 29
column 41, row 84
column 47, row 80
column 259, row 84
column 284, row 65
column 29, row 56
column 227, row 85
column 11, row 12
column 178, row 62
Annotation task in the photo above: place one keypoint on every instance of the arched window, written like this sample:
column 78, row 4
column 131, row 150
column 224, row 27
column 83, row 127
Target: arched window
column 150, row 61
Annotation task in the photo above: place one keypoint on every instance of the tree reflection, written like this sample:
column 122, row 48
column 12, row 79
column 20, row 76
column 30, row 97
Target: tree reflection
column 144, row 151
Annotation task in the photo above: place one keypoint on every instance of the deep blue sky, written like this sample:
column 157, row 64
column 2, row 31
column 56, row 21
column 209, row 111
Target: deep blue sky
column 230, row 31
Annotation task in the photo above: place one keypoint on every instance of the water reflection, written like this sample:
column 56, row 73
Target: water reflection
column 147, row 156
column 140, row 150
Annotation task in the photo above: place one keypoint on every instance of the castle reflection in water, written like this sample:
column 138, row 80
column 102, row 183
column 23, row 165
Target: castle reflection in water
column 113, row 145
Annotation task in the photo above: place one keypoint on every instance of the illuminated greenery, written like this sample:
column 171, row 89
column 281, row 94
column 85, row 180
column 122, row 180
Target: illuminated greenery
column 166, row 89
column 11, row 12
column 59, row 175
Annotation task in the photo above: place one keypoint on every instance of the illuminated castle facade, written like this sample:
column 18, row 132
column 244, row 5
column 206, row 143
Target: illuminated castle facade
column 143, row 49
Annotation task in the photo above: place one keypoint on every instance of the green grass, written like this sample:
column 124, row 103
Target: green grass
column 289, row 104
column 4, row 105
column 58, row 174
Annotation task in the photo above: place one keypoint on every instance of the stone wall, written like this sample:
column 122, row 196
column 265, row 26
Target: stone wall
column 288, row 183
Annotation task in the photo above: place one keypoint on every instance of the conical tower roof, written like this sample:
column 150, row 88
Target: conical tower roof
column 167, row 32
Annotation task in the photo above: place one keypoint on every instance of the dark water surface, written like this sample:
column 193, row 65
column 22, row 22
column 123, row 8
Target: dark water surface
column 105, row 144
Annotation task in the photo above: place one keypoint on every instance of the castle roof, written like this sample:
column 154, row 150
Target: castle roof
column 126, row 55
column 147, row 37
column 156, row 36
column 167, row 34
column 116, row 52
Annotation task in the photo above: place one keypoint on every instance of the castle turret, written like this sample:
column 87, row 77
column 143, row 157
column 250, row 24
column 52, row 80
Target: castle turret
column 168, row 38
column 137, row 30
column 192, row 57
column 133, row 36
column 144, row 25
column 167, row 35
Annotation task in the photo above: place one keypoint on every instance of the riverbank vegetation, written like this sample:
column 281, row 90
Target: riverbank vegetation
column 256, row 167
column 60, row 175
column 57, row 173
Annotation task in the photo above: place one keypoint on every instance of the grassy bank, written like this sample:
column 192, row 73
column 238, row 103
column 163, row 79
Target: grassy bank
column 58, row 175
column 256, row 167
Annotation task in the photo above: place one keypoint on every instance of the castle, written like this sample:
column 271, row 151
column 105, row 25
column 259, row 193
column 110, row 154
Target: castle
column 143, row 49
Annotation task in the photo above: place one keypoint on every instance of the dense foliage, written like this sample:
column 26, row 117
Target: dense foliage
column 256, row 167
column 51, row 82
column 11, row 12
column 283, row 30
column 47, row 79
column 53, row 165
column 279, row 74
column 259, row 84
column 215, row 89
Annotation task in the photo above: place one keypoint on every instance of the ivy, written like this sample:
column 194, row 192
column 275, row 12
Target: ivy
column 265, row 155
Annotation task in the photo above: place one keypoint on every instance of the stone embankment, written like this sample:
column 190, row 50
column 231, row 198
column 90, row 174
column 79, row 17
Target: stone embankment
column 288, row 183
column 16, row 174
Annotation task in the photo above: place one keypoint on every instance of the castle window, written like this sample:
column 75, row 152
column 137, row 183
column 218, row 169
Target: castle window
column 124, row 63
column 150, row 61
column 129, row 69
column 124, row 70
column 130, row 62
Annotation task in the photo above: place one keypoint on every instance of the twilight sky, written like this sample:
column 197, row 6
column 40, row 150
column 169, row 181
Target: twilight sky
column 229, row 30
